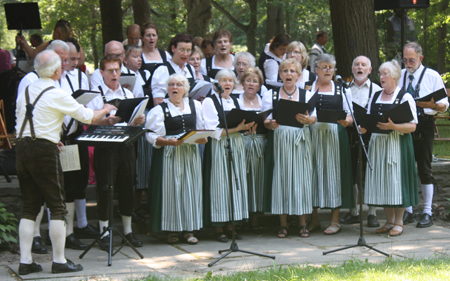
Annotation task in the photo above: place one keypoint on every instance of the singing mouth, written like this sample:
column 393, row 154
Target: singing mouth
column 360, row 72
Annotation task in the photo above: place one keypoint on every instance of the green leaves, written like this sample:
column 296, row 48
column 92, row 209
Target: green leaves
column 7, row 226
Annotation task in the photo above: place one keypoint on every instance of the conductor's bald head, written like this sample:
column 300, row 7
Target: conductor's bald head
column 48, row 65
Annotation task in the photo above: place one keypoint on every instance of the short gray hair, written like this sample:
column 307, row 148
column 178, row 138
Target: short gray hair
column 180, row 78
column 58, row 44
column 370, row 63
column 226, row 73
column 250, row 57
column 394, row 69
column 414, row 45
column 328, row 58
column 46, row 63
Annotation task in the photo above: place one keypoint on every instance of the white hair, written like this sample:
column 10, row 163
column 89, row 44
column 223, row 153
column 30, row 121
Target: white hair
column 226, row 73
column 58, row 44
column 180, row 78
column 370, row 63
column 394, row 69
column 247, row 55
column 46, row 63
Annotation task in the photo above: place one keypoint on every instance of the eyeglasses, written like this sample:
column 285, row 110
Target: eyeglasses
column 184, row 51
column 243, row 64
column 410, row 61
column 178, row 85
column 286, row 71
column 250, row 81
column 327, row 69
column 111, row 71
column 384, row 74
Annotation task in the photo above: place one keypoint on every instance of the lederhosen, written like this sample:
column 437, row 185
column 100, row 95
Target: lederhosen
column 179, row 124
column 354, row 143
column 75, row 182
column 39, row 170
column 212, row 72
column 151, row 68
column 423, row 137
column 124, row 169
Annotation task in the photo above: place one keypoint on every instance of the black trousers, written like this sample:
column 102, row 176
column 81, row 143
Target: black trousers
column 124, row 178
column 354, row 150
column 75, row 182
column 40, row 175
column 423, row 139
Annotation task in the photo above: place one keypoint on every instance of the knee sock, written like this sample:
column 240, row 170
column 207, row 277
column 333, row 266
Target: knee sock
column 372, row 211
column 427, row 192
column 37, row 225
column 103, row 224
column 26, row 232
column 354, row 211
column 409, row 209
column 58, row 237
column 80, row 208
column 70, row 207
column 126, row 221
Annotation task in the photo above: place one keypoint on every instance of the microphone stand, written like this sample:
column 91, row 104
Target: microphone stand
column 231, row 164
column 361, row 241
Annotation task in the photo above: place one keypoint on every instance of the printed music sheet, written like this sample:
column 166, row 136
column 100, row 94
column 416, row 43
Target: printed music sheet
column 69, row 157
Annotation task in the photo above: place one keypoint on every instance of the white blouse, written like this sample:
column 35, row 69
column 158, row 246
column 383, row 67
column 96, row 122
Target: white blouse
column 210, row 114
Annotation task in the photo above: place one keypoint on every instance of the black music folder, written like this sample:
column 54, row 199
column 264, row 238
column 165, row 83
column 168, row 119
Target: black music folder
column 126, row 107
column 287, row 110
column 330, row 116
column 84, row 96
column 437, row 96
column 399, row 114
column 235, row 117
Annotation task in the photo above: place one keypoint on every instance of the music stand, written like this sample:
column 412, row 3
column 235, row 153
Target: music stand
column 231, row 170
column 361, row 241
column 111, row 228
column 22, row 16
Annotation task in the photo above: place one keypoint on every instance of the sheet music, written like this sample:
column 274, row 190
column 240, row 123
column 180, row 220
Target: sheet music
column 138, row 111
column 192, row 136
column 201, row 89
column 127, row 79
column 69, row 157
column 86, row 98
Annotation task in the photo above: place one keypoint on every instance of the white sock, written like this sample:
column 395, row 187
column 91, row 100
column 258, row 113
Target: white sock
column 126, row 221
column 103, row 224
column 354, row 211
column 409, row 209
column 427, row 192
column 372, row 211
column 48, row 217
column 26, row 234
column 70, row 207
column 80, row 208
column 58, row 237
column 37, row 225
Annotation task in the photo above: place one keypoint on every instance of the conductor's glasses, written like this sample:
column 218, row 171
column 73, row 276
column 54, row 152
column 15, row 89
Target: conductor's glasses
column 111, row 71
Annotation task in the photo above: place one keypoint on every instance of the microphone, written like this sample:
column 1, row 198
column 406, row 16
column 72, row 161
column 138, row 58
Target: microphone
column 217, row 87
column 340, row 80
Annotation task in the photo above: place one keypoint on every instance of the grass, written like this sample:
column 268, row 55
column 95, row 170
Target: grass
column 427, row 269
column 442, row 148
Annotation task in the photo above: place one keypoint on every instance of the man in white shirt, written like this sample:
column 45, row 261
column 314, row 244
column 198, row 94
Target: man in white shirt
column 133, row 34
column 124, row 165
column 421, row 81
column 317, row 49
column 40, row 113
column 362, row 91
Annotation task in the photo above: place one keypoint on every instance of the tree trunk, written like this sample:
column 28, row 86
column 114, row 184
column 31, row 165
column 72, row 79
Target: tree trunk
column 354, row 33
column 141, row 12
column 442, row 36
column 275, row 19
column 199, row 14
column 111, row 13
column 94, row 42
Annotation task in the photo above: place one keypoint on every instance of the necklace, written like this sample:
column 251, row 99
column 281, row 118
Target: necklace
column 250, row 101
column 388, row 95
column 291, row 94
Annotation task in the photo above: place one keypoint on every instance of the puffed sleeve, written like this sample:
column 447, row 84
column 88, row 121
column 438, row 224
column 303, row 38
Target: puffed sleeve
column 211, row 118
column 348, row 96
column 203, row 67
column 200, row 123
column 271, row 69
column 307, row 98
column 267, row 102
column 155, row 122
column 159, row 78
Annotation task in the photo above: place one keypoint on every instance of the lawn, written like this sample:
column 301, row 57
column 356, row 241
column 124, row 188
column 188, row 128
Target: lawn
column 442, row 148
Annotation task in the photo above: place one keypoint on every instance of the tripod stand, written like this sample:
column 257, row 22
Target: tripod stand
column 361, row 241
column 231, row 171
column 111, row 228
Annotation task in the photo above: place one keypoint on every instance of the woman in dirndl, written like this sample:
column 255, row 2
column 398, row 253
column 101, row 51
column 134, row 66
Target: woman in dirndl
column 289, row 153
column 216, row 186
column 332, row 171
column 255, row 143
column 392, row 183
column 176, row 185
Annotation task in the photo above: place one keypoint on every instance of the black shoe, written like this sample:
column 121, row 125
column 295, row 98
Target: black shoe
column 69, row 266
column 372, row 221
column 38, row 246
column 133, row 240
column 408, row 218
column 104, row 243
column 25, row 269
column 349, row 219
column 86, row 232
column 74, row 243
column 425, row 221
column 229, row 234
column 221, row 237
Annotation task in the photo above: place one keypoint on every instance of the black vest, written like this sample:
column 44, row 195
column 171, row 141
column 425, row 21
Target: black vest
column 276, row 97
column 379, row 108
column 333, row 102
column 212, row 72
column 219, row 108
column 179, row 124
